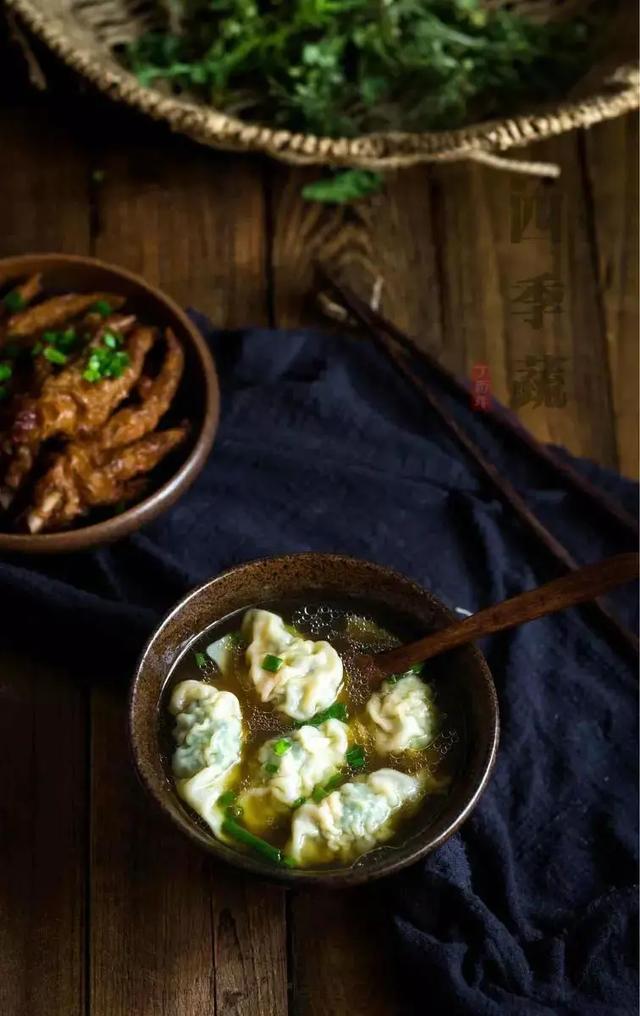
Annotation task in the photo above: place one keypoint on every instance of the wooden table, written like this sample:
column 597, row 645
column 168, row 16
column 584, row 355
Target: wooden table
column 104, row 909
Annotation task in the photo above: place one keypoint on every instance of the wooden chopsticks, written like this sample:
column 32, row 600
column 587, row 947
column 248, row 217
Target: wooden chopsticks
column 399, row 349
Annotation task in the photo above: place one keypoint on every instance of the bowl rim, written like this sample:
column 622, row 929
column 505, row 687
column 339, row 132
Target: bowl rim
column 168, row 493
column 330, row 877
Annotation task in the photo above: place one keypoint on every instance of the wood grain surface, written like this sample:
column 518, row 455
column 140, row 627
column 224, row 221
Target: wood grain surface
column 106, row 911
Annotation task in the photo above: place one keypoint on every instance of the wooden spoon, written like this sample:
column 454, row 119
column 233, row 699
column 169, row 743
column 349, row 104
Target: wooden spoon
column 576, row 587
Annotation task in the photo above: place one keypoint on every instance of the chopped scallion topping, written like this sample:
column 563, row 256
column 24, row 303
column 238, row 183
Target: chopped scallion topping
column 271, row 767
column 106, row 362
column 37, row 348
column 298, row 803
column 355, row 756
column 282, row 746
column 6, row 370
column 227, row 798
column 102, row 307
column 54, row 355
column 334, row 782
column 318, row 794
column 272, row 663
column 201, row 660
column 337, row 711
column 14, row 301
column 242, row 835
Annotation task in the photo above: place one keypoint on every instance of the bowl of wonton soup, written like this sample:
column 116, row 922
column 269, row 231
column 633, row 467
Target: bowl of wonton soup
column 255, row 733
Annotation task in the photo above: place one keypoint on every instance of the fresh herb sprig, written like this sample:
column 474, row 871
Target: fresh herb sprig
column 348, row 67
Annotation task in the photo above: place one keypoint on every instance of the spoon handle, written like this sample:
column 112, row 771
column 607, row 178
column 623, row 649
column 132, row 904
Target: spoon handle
column 576, row 587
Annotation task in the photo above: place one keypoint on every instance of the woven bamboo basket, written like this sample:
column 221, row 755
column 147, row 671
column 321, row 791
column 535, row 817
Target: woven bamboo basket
column 83, row 33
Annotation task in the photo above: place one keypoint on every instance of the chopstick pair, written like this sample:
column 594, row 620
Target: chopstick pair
column 399, row 349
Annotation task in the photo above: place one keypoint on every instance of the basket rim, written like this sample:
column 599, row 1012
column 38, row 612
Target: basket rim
column 381, row 150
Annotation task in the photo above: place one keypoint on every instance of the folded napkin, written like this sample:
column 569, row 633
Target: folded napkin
column 531, row 908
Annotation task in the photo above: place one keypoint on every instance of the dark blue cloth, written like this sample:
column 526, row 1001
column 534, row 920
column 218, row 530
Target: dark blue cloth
column 531, row 908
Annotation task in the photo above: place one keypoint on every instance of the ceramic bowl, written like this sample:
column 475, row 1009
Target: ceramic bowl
column 467, row 675
column 197, row 399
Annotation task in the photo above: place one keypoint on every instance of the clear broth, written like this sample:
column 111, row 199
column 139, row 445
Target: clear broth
column 375, row 629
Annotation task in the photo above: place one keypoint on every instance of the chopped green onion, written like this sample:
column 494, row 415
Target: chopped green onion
column 227, row 798
column 288, row 861
column 417, row 668
column 242, row 835
column 102, row 307
column 201, row 660
column 298, row 803
column 272, row 663
column 14, row 301
column 355, row 756
column 6, row 370
column 318, row 794
column 334, row 782
column 337, row 711
column 282, row 746
column 271, row 767
column 37, row 349
column 54, row 355
column 111, row 340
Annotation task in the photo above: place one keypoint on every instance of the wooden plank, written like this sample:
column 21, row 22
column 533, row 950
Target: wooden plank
column 342, row 958
column 43, row 751
column 183, row 933
column 611, row 164
column 486, row 271
column 387, row 240
column 339, row 966
column 42, row 847
column 188, row 219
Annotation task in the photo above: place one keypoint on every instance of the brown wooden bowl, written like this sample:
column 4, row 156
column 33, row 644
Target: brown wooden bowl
column 328, row 575
column 198, row 392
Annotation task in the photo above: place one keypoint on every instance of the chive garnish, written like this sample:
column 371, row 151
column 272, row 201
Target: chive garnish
column 6, row 370
column 102, row 307
column 271, row 767
column 37, row 348
column 54, row 355
column 298, row 803
column 355, row 756
column 201, row 660
column 227, row 798
column 14, row 301
column 282, row 746
column 272, row 663
column 318, row 794
column 334, row 782
column 242, row 835
column 337, row 711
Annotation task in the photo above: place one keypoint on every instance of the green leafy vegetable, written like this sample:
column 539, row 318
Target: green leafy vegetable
column 237, row 832
column 342, row 188
column 14, row 301
column 347, row 67
column 272, row 663
column 337, row 711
